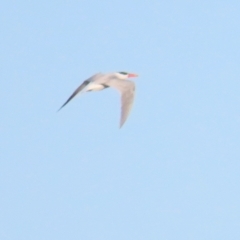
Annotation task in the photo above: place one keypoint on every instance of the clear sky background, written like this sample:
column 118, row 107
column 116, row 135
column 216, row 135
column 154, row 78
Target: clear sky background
column 172, row 172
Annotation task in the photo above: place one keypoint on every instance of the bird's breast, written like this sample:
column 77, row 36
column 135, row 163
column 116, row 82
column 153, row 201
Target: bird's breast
column 95, row 87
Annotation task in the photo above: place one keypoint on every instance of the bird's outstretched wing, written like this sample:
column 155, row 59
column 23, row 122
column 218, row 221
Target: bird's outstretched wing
column 127, row 90
column 79, row 89
column 127, row 102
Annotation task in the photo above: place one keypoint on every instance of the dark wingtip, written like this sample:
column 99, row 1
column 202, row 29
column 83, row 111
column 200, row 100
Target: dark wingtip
column 62, row 106
column 79, row 89
column 59, row 109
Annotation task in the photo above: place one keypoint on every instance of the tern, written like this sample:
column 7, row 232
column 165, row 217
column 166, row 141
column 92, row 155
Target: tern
column 117, row 80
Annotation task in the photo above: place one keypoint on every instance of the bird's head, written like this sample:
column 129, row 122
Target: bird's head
column 125, row 75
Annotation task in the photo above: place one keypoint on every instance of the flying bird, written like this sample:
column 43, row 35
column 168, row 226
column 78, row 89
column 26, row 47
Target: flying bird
column 117, row 80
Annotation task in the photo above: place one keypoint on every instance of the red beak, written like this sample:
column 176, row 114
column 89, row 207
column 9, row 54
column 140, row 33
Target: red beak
column 131, row 75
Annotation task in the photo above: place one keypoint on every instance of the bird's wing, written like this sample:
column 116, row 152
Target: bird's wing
column 127, row 90
column 80, row 88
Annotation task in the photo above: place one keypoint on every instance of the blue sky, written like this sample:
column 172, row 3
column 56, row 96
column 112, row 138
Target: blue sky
column 171, row 172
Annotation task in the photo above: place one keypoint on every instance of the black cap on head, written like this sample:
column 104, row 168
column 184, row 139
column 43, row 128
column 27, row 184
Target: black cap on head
column 124, row 73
